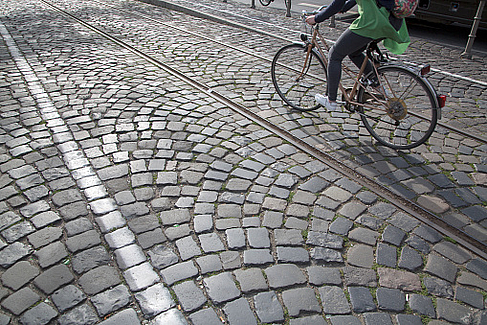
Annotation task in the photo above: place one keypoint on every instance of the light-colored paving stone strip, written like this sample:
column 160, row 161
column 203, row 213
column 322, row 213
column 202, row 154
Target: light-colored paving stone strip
column 425, row 199
column 139, row 274
column 133, row 275
column 357, row 262
column 300, row 299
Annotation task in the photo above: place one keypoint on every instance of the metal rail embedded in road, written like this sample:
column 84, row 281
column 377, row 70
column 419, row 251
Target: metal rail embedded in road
column 399, row 202
column 221, row 20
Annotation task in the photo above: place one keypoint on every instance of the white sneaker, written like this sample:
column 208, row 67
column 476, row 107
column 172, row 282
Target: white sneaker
column 326, row 103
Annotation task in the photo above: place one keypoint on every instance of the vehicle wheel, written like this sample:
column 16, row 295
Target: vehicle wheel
column 265, row 3
column 297, row 81
column 404, row 114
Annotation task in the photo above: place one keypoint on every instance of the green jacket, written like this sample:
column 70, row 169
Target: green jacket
column 374, row 22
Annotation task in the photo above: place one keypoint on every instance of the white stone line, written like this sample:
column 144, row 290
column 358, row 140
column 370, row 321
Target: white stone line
column 108, row 216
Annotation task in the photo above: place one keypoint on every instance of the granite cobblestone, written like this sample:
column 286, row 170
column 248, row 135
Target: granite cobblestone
column 127, row 197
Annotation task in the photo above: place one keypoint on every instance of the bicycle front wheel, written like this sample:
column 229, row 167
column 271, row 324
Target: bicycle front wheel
column 265, row 3
column 298, row 77
column 401, row 113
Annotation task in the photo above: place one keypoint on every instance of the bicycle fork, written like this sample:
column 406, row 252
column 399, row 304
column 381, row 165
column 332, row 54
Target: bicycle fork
column 307, row 63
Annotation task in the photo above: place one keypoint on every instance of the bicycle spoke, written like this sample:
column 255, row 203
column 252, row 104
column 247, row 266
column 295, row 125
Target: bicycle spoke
column 298, row 77
column 411, row 109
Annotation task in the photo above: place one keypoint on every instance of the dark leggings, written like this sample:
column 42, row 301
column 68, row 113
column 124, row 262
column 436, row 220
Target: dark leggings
column 349, row 44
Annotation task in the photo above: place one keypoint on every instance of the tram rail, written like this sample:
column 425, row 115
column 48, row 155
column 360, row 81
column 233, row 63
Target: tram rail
column 172, row 6
column 398, row 201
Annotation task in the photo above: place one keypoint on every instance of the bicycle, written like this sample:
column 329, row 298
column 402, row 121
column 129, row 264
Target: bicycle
column 400, row 109
column 265, row 3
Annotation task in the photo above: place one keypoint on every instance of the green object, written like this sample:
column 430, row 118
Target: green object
column 374, row 22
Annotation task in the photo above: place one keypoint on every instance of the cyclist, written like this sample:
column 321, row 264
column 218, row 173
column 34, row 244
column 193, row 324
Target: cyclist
column 374, row 22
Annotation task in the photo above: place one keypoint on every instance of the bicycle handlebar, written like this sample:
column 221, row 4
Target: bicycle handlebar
column 314, row 12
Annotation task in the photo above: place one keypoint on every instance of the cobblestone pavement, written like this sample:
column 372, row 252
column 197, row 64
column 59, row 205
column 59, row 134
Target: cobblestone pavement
column 443, row 177
column 446, row 177
column 128, row 197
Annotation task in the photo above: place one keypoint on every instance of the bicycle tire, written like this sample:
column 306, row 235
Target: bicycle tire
column 287, row 66
column 265, row 3
column 411, row 116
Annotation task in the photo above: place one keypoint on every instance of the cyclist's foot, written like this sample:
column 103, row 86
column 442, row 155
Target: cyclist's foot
column 326, row 103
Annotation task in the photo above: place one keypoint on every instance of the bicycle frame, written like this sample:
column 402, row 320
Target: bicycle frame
column 397, row 105
column 349, row 97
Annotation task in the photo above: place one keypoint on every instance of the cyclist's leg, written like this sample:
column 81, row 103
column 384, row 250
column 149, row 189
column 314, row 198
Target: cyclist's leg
column 350, row 44
column 358, row 57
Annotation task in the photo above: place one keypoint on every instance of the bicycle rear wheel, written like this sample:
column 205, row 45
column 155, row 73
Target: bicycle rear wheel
column 405, row 113
column 297, row 81
column 265, row 3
